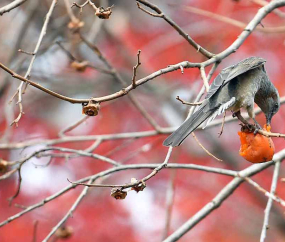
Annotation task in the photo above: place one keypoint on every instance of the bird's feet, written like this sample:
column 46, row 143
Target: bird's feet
column 257, row 127
column 252, row 128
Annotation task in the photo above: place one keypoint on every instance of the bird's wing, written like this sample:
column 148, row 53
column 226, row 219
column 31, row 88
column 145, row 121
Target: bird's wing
column 219, row 111
column 233, row 71
column 189, row 125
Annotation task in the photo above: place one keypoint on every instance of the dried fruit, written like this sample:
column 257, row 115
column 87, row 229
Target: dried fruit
column 256, row 148
column 3, row 166
column 64, row 232
column 91, row 108
column 118, row 193
column 75, row 25
column 103, row 13
column 79, row 66
column 139, row 187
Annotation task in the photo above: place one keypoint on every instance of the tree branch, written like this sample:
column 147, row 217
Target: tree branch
column 103, row 137
column 175, row 26
column 11, row 6
column 270, row 201
column 239, row 24
column 113, row 170
column 27, row 75
column 222, row 196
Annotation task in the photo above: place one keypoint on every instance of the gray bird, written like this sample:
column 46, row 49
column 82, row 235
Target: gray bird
column 237, row 86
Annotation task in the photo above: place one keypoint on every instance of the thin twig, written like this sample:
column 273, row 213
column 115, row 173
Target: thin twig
column 222, row 196
column 71, row 210
column 10, row 199
column 71, row 57
column 117, row 169
column 169, row 203
column 188, row 103
column 204, row 78
column 270, row 134
column 265, row 226
column 159, row 15
column 175, row 26
column 38, row 154
column 208, row 152
column 70, row 12
column 134, row 184
column 36, row 223
column 79, row 6
column 264, row 3
column 266, row 193
column 11, row 6
column 26, row 52
column 72, row 126
column 27, row 75
column 115, row 136
column 118, row 77
column 135, row 69
column 231, row 21
column 202, row 91
column 217, row 58
column 222, row 126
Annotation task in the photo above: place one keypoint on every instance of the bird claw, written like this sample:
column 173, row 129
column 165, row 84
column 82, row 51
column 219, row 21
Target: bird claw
column 257, row 127
column 252, row 128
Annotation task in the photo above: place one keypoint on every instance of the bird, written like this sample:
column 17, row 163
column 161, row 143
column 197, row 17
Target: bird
column 236, row 87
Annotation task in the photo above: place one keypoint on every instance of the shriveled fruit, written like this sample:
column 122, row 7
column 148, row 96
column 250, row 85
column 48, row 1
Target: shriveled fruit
column 256, row 148
column 79, row 66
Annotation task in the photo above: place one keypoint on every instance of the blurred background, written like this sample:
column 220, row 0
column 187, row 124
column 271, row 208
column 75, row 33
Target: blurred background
column 141, row 216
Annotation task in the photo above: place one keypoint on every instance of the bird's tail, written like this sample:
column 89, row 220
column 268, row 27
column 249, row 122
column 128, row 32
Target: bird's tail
column 189, row 125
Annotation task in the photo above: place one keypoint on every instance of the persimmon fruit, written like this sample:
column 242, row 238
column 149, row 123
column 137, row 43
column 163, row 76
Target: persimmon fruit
column 256, row 148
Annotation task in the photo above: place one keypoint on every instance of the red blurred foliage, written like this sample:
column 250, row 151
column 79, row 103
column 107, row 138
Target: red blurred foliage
column 101, row 218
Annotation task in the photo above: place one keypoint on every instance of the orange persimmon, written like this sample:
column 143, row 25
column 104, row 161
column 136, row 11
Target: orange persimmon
column 256, row 148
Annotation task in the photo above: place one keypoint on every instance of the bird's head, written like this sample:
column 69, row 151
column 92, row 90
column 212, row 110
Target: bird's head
column 272, row 105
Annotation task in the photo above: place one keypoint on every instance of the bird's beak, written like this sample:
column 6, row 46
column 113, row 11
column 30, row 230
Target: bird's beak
column 268, row 118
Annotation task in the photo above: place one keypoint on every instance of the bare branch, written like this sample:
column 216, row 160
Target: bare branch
column 73, row 126
column 70, row 12
column 187, row 103
column 118, row 77
column 36, row 223
column 27, row 75
column 18, row 187
column 217, row 58
column 126, row 86
column 135, row 69
column 233, row 22
column 130, row 135
column 270, row 134
column 10, row 6
column 134, row 184
column 222, row 196
column 264, row 3
column 159, row 15
column 71, row 210
column 26, row 52
column 79, row 6
column 266, row 193
column 208, row 152
column 223, row 123
column 175, row 26
column 204, row 78
column 117, row 169
column 169, row 203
